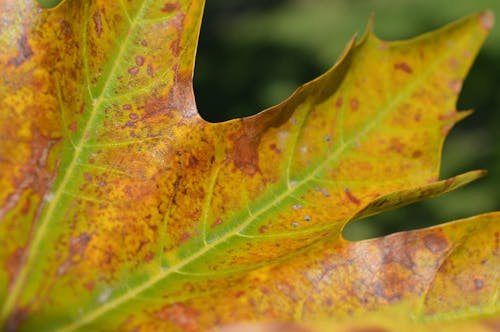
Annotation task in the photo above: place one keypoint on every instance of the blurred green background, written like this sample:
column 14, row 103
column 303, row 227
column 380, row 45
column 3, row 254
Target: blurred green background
column 254, row 53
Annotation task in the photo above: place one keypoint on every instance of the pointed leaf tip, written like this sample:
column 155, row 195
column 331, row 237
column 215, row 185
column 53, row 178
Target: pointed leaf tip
column 371, row 23
column 487, row 19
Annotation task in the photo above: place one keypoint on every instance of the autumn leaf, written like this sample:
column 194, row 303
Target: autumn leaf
column 122, row 209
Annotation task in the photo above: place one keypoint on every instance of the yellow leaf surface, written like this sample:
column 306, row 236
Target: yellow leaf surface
column 122, row 209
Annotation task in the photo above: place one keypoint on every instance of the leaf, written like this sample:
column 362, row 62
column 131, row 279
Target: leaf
column 430, row 275
column 122, row 209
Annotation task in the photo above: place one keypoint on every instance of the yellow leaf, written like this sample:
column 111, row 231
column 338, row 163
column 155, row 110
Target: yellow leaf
column 122, row 209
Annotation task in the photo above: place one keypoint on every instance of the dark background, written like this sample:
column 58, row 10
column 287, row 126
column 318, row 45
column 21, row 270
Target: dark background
column 252, row 54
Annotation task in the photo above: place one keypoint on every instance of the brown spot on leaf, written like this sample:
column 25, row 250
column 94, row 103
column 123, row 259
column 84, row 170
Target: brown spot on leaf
column 239, row 294
column 338, row 102
column 435, row 243
column 390, row 289
column 455, row 86
column 175, row 47
column 416, row 154
column 24, row 52
column 467, row 54
column 216, row 223
column 127, row 107
column 130, row 124
column 170, row 7
column 150, row 70
column 139, row 60
column 396, row 145
column 98, row 23
column 26, row 207
column 245, row 154
column 66, row 29
column 394, row 250
column 383, row 45
column 148, row 257
column 184, row 237
column 144, row 43
column 323, row 191
column 192, row 161
column 263, row 229
column 72, row 126
column 351, row 197
column 154, row 106
column 89, row 285
column 16, row 319
column 274, row 148
column 246, row 140
column 14, row 262
column 140, row 246
column 133, row 71
column 478, row 284
column 87, row 176
column 35, row 174
column 180, row 315
column 453, row 63
column 403, row 66
column 354, row 103
column 493, row 324
column 181, row 96
column 76, row 252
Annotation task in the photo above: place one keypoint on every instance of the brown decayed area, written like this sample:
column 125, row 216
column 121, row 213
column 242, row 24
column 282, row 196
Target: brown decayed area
column 24, row 52
column 29, row 138
column 246, row 142
column 404, row 67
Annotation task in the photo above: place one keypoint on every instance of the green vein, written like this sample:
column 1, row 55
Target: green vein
column 124, row 8
column 64, row 120
column 494, row 297
column 207, row 202
column 157, row 20
column 84, row 197
column 307, row 202
column 130, row 141
column 52, row 205
column 298, row 130
column 106, row 169
column 85, row 59
column 305, row 231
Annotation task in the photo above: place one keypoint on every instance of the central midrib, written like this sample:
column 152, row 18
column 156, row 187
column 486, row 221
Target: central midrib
column 52, row 205
column 300, row 186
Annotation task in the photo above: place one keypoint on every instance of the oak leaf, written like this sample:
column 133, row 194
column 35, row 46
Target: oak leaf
column 122, row 209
